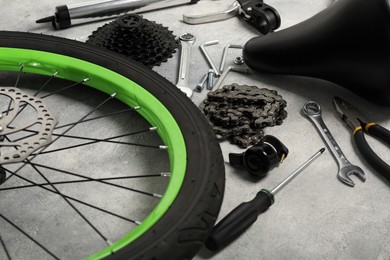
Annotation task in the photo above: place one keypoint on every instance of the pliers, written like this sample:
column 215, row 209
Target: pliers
column 359, row 125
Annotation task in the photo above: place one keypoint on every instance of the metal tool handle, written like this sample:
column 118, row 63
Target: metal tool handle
column 85, row 12
column 187, row 41
column 232, row 11
column 102, row 8
column 105, row 7
column 330, row 141
column 313, row 111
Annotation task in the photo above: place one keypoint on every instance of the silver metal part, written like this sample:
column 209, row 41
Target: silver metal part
column 202, row 82
column 238, row 60
column 296, row 172
column 210, row 81
column 187, row 40
column 313, row 111
column 116, row 7
column 208, row 58
column 225, row 52
column 226, row 71
column 26, row 114
column 233, row 10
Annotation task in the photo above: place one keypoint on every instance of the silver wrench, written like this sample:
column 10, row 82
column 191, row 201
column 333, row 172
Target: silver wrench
column 313, row 111
column 187, row 40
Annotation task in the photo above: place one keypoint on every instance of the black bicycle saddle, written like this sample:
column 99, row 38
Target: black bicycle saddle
column 348, row 43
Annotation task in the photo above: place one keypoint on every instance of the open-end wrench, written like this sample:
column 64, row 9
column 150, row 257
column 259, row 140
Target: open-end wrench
column 186, row 42
column 313, row 111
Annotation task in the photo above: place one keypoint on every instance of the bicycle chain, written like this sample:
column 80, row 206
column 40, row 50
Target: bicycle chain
column 240, row 112
column 137, row 38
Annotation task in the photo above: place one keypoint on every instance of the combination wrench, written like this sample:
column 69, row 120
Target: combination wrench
column 187, row 40
column 313, row 111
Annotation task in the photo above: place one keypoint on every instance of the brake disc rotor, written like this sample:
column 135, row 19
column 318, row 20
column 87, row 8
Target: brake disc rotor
column 137, row 38
column 26, row 125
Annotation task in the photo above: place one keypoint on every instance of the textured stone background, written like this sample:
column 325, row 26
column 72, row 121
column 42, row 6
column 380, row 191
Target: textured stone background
column 316, row 216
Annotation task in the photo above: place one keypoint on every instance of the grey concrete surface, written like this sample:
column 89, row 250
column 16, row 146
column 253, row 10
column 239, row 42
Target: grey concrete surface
column 314, row 217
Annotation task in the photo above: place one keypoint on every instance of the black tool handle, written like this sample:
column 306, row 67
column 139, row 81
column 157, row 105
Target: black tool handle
column 238, row 220
column 380, row 132
column 368, row 154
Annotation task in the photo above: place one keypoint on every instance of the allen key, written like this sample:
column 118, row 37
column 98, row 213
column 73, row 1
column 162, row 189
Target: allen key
column 208, row 58
column 226, row 71
column 225, row 52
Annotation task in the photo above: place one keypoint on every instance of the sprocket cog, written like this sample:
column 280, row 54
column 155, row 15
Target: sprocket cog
column 137, row 38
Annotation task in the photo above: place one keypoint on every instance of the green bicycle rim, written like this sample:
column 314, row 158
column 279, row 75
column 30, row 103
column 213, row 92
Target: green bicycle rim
column 130, row 93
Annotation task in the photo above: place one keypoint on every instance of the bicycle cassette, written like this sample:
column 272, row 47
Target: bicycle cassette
column 240, row 112
column 139, row 39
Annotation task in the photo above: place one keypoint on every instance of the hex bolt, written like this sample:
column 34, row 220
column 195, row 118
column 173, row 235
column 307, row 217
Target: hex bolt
column 200, row 85
column 239, row 60
column 210, row 81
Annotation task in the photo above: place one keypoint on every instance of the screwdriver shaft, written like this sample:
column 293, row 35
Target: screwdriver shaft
column 296, row 172
column 245, row 214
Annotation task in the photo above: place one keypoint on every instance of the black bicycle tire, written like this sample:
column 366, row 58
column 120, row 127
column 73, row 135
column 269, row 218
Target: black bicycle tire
column 182, row 230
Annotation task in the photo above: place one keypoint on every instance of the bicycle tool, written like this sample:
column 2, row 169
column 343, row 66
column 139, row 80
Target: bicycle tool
column 359, row 125
column 313, row 111
column 65, row 15
column 243, row 216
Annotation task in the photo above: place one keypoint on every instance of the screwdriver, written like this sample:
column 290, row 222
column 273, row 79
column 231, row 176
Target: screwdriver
column 243, row 216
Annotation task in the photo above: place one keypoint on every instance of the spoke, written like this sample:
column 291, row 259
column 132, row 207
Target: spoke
column 92, row 179
column 39, row 90
column 67, row 130
column 74, row 199
column 65, row 88
column 106, row 140
column 5, row 248
column 27, row 136
column 27, row 235
column 46, row 83
column 71, row 205
column 16, row 84
column 9, row 107
column 19, row 75
column 84, row 117
column 98, row 141
column 82, row 181
column 98, row 117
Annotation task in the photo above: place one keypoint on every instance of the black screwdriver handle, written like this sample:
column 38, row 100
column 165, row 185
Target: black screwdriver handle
column 239, row 220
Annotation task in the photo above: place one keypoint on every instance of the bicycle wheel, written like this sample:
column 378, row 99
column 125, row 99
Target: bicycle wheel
column 50, row 210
